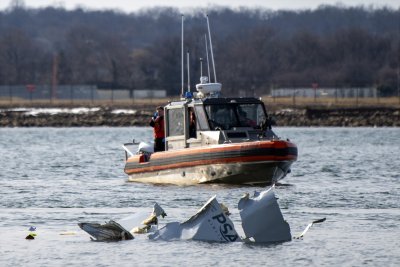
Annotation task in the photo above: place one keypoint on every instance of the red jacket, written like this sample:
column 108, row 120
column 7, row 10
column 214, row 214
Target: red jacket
column 158, row 125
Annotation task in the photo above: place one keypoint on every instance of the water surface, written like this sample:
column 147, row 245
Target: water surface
column 54, row 178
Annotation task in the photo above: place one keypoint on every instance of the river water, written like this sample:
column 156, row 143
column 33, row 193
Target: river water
column 53, row 178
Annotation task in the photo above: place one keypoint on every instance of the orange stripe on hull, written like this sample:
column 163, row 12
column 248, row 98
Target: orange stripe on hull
column 218, row 148
column 213, row 161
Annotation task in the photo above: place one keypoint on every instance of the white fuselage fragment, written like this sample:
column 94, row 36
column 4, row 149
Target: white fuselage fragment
column 210, row 223
column 262, row 219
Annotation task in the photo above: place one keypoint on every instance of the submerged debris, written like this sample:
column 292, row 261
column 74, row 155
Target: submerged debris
column 308, row 227
column 32, row 233
column 125, row 228
column 111, row 231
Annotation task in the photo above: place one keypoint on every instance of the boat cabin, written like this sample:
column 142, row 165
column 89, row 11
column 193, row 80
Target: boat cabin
column 207, row 121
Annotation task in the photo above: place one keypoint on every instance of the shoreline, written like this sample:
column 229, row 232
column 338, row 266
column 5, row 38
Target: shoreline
column 140, row 116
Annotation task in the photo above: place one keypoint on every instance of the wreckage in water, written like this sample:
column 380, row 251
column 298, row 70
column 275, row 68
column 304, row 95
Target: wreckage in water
column 262, row 222
column 230, row 141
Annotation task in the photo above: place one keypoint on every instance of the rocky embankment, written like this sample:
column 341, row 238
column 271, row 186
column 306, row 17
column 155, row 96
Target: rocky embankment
column 339, row 117
column 100, row 117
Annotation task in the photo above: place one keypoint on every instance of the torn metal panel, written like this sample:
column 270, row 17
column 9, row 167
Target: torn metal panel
column 210, row 223
column 142, row 219
column 262, row 219
column 133, row 221
column 111, row 231
column 124, row 229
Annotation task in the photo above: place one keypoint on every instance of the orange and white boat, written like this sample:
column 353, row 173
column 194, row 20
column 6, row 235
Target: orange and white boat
column 231, row 142
column 224, row 149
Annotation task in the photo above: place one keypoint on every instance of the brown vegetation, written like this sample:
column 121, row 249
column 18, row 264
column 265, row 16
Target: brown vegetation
column 331, row 102
column 255, row 49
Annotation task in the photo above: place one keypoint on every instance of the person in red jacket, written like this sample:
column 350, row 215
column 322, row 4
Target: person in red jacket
column 157, row 122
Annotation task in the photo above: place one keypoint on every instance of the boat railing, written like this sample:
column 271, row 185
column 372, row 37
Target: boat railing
column 128, row 147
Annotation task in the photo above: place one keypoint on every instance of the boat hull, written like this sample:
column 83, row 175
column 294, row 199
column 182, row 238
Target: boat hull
column 259, row 162
column 235, row 173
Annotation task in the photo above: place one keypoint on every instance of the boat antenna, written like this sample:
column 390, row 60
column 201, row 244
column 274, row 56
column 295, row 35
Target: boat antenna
column 182, row 56
column 208, row 62
column 201, row 67
column 211, row 48
column 188, row 70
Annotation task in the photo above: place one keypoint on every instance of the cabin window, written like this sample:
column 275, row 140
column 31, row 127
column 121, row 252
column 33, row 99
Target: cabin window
column 221, row 116
column 250, row 115
column 201, row 118
column 175, row 122
column 227, row 116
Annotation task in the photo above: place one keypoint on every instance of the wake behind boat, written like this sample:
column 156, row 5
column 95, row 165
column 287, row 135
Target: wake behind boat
column 230, row 142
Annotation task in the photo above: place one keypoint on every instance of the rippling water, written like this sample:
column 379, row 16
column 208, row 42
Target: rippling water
column 55, row 177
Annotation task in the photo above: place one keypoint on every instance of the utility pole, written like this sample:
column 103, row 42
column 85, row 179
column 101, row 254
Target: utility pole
column 398, row 81
column 398, row 60
column 54, row 78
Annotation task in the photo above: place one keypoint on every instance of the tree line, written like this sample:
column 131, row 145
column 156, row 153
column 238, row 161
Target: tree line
column 255, row 49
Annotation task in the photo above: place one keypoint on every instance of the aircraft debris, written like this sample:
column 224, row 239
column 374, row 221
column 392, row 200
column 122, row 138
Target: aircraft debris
column 262, row 222
column 308, row 227
column 32, row 233
column 124, row 229
column 210, row 223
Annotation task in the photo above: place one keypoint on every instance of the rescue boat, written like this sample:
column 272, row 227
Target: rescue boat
column 230, row 142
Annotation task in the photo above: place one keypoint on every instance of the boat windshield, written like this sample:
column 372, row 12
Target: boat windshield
column 227, row 116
